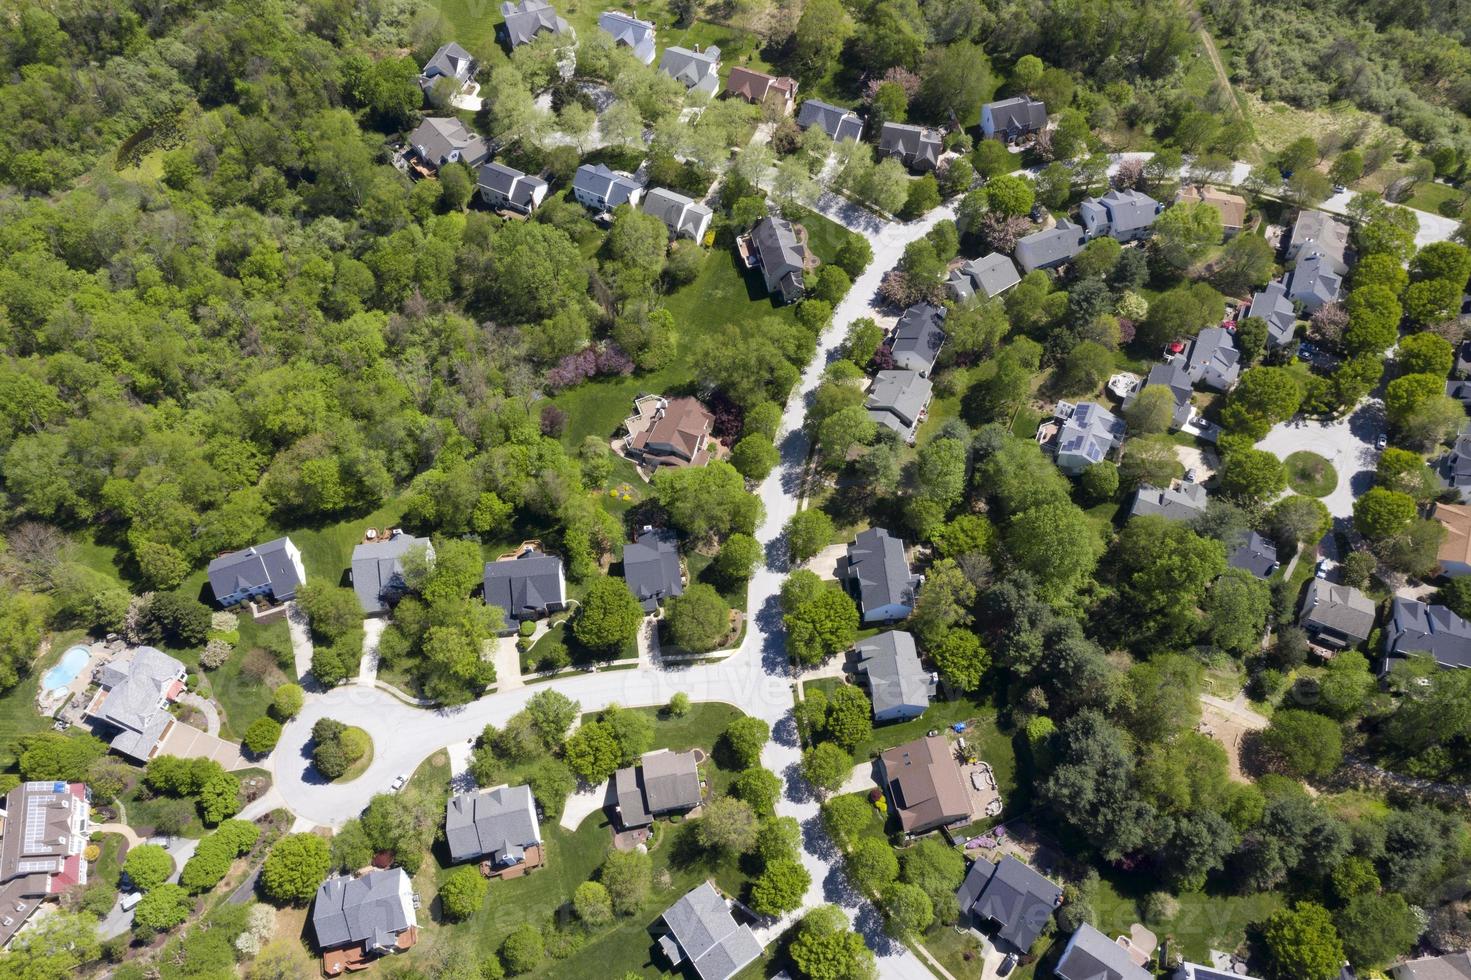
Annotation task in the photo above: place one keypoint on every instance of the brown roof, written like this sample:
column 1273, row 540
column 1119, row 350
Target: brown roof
column 682, row 426
column 755, row 86
column 925, row 783
column 1456, row 518
column 1232, row 207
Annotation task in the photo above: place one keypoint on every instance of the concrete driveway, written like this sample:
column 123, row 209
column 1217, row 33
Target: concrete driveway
column 1347, row 443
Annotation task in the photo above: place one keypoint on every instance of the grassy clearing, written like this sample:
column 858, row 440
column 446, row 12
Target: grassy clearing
column 1310, row 474
column 243, row 685
column 18, row 714
column 1277, row 124
column 1205, row 921
column 1429, row 196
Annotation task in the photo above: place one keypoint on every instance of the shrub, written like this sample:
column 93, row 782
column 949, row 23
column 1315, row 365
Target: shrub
column 592, row 903
column 286, row 701
column 523, row 949
column 148, row 866
column 462, row 893
column 216, row 652
column 294, row 869
column 262, row 735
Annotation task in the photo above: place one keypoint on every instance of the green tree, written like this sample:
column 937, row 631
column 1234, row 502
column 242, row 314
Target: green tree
column 286, row 701
column 849, row 719
column 1304, row 744
column 754, row 456
column 1380, row 513
column 1151, row 412
column 1236, row 609
column 745, row 737
column 163, row 908
column 960, row 658
column 462, row 892
column 822, row 626
column 1377, row 929
column 845, row 817
column 827, row 948
column 1057, row 544
column 295, row 866
column 808, row 532
column 1303, row 942
column 628, row 876
column 523, row 950
column 1184, row 232
column 1425, row 354
column 907, row 909
column 872, row 865
column 1009, row 195
column 1263, row 397
column 699, row 619
column 592, row 903
column 759, row 787
column 826, row 766
column 147, row 866
column 262, row 735
column 1251, row 476
column 780, row 887
column 609, row 616
column 737, row 559
column 728, row 824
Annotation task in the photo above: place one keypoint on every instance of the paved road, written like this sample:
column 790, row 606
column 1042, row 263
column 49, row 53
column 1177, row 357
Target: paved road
column 754, row 679
column 1347, row 443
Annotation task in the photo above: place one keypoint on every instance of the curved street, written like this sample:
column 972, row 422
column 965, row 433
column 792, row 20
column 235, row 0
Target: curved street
column 755, row 678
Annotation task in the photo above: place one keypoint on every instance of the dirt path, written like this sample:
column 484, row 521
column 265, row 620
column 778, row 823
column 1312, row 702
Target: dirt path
column 1228, row 722
column 1209, row 43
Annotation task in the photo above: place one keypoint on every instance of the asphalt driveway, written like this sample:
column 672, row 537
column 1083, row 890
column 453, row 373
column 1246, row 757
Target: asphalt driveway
column 1347, row 443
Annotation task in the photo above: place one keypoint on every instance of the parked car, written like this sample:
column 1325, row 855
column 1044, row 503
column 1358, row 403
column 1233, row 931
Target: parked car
column 398, row 783
column 1339, row 188
column 130, row 901
column 1322, row 570
column 1007, row 965
column 1381, row 442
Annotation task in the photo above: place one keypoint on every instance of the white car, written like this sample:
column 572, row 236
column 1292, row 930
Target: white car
column 130, row 901
column 398, row 783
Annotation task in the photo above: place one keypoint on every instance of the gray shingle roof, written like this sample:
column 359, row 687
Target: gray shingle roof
column 527, row 19
column 782, row 255
column 528, row 585
column 896, row 679
column 439, row 141
column 708, row 935
column 1053, row 247
column 1340, row 609
column 651, row 567
column 1314, row 281
column 1273, row 306
column 680, row 214
column 1317, row 232
column 1009, row 893
column 897, row 398
column 671, row 781
column 521, row 192
column 1174, row 377
column 1256, row 555
column 1415, row 627
column 628, row 30
column 1019, row 113
column 697, row 71
column 918, row 147
column 605, row 185
column 918, row 336
column 499, row 823
column 134, row 701
column 991, row 275
column 377, row 569
column 263, row 568
column 1089, row 432
column 839, row 123
column 1121, row 214
column 1452, row 966
column 371, row 910
column 1090, row 955
column 1181, row 502
column 1214, row 360
column 876, row 561
column 450, row 60
column 627, row 794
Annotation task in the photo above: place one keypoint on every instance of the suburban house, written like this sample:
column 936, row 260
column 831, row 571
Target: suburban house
column 1315, row 282
column 681, row 215
column 1122, row 215
column 358, row 919
column 1214, row 361
column 916, row 147
column 450, row 61
column 899, row 400
column 627, row 30
column 43, row 833
column 378, row 570
column 839, row 124
column 529, row 18
column 1194, row 971
column 1336, row 616
column 918, row 337
column 132, row 701
column 663, row 782
column 1319, row 233
column 1272, row 305
column 1455, row 550
column 899, row 687
column 1256, row 555
column 272, row 569
column 1081, row 435
column 508, row 189
column 878, row 577
column 600, row 189
column 1174, row 376
column 1452, row 966
column 529, row 586
column 1434, row 631
column 1009, row 898
column 772, row 245
column 440, row 141
column 668, row 432
column 497, row 824
column 758, row 88
column 651, row 567
column 1011, row 119
column 1460, row 391
column 1454, row 468
column 1090, row 955
column 698, row 71
column 1051, row 248
column 924, row 784
column 704, row 934
column 989, row 276
column 1180, row 501
column 1231, row 207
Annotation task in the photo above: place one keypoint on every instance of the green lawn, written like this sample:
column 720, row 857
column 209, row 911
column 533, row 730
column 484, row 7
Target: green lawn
column 18, row 714
column 1429, row 196
column 1204, row 922
column 243, row 686
column 1310, row 474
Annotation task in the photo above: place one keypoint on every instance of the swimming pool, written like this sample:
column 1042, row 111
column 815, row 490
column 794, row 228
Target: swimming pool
column 67, row 670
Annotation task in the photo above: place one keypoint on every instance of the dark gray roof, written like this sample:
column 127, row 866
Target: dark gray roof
column 876, row 561
column 1317, row 232
column 1340, row 609
column 377, row 569
column 991, row 275
column 897, row 398
column 499, row 823
column 529, row 18
column 1454, row 468
column 1019, row 112
column 520, row 190
column 839, row 123
column 1273, row 306
column 920, row 333
column 1194, row 971
column 651, row 567
column 268, row 567
column 1256, row 555
column 1181, row 502
column 1214, row 360
column 1012, row 895
column 916, row 146
column 680, row 214
column 782, row 255
column 1314, row 281
column 1045, row 249
column 606, row 185
column 671, row 781
column 896, row 679
column 1174, row 377
column 627, row 794
column 628, row 30
column 1124, row 212
column 1452, row 966
column 1460, row 391
column 371, row 910
column 1415, row 627
column 438, row 141
column 708, row 936
column 451, row 60
column 1090, row 955
column 694, row 69
column 527, row 585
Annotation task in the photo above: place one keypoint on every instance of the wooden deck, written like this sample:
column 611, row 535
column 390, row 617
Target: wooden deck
column 535, row 859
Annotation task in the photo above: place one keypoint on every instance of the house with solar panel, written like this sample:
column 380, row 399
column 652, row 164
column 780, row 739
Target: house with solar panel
column 699, row 931
column 497, row 827
column 357, row 920
column 273, row 570
column 43, row 833
column 1009, row 901
column 1081, row 435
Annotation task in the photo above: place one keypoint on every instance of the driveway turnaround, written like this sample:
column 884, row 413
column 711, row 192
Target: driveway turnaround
column 1348, row 444
column 756, row 678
